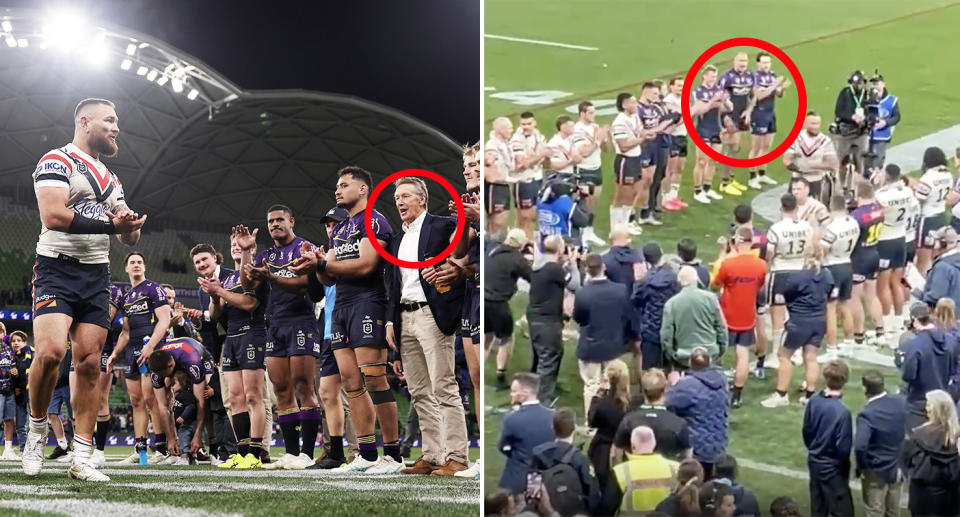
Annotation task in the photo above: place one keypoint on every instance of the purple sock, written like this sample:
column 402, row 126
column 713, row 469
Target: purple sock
column 288, row 428
column 309, row 426
column 368, row 447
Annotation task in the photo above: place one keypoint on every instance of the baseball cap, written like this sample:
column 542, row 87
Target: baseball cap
column 919, row 310
column 335, row 214
column 516, row 238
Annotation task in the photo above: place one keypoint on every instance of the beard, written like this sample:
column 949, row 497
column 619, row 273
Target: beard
column 105, row 147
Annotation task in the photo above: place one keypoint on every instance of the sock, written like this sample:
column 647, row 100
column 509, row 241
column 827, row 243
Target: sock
column 81, row 449
column 392, row 449
column 289, row 418
column 62, row 443
column 761, row 172
column 809, row 394
column 858, row 338
column 674, row 190
column 725, row 181
column 736, row 392
column 103, row 425
column 706, row 187
column 336, row 447
column 241, row 427
column 879, row 332
column 697, row 189
column 782, row 393
column 256, row 445
column 368, row 446
column 614, row 215
column 760, row 359
column 501, row 375
column 310, row 419
column 140, row 444
column 160, row 442
column 644, row 213
column 753, row 174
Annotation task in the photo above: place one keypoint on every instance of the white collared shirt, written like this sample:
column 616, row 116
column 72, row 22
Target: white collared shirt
column 410, row 288
column 875, row 397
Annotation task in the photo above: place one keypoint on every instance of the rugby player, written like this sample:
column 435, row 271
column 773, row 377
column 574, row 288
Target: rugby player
column 738, row 82
column 837, row 238
column 865, row 260
column 588, row 140
column 291, row 348
column 530, row 150
column 677, row 156
column 812, row 156
column 359, row 336
column 496, row 179
column 146, row 319
column 563, row 157
column 895, row 198
column 762, row 117
column 243, row 360
column 932, row 189
column 105, row 381
column 652, row 124
column 627, row 139
column 809, row 208
column 709, row 101
column 788, row 240
column 81, row 204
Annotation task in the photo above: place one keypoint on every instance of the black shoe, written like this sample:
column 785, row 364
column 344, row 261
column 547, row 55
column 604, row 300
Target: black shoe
column 58, row 452
column 404, row 451
column 264, row 456
column 736, row 403
column 202, row 455
column 327, row 463
column 502, row 383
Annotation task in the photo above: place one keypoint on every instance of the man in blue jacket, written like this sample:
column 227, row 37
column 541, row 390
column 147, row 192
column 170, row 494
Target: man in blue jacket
column 876, row 446
column 600, row 309
column 943, row 280
column 530, row 425
column 650, row 293
column 620, row 263
column 927, row 364
column 828, row 435
column 701, row 399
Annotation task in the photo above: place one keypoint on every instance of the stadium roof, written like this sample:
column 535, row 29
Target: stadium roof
column 193, row 145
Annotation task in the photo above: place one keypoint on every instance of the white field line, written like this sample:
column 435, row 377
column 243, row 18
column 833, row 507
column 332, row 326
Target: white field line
column 80, row 506
column 540, row 42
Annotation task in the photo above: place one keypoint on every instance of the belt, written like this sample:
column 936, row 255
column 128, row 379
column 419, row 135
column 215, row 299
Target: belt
column 412, row 306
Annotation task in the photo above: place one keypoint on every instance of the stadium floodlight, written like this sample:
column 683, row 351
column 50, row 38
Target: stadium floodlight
column 11, row 42
column 131, row 48
column 177, row 85
column 7, row 26
column 97, row 54
column 162, row 80
column 144, row 45
column 152, row 75
column 193, row 94
column 126, row 64
column 142, row 70
column 65, row 30
column 22, row 42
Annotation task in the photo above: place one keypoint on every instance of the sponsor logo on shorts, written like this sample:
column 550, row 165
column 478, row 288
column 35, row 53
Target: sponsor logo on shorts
column 336, row 337
column 367, row 327
column 316, row 347
column 779, row 299
column 269, row 346
column 46, row 304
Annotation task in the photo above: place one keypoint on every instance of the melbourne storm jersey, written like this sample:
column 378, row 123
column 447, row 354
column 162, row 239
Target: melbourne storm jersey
column 649, row 115
column 239, row 319
column 346, row 239
column 895, row 200
column 839, row 236
column 116, row 297
column 189, row 356
column 740, row 87
column 708, row 122
column 139, row 304
column 790, row 239
column 765, row 80
column 283, row 305
column 870, row 219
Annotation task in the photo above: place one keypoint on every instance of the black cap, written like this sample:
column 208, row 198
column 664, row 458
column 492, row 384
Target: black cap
column 336, row 214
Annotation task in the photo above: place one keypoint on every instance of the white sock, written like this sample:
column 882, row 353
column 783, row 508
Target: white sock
column 38, row 425
column 613, row 216
column 62, row 442
column 81, row 450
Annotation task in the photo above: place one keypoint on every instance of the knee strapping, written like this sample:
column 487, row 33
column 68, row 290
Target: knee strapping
column 352, row 394
column 373, row 370
column 382, row 397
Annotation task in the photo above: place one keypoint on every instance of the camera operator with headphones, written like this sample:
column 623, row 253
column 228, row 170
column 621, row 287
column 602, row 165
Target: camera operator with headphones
column 562, row 207
column 855, row 115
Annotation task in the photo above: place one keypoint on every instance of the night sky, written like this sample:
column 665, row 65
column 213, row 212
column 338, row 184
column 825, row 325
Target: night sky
column 419, row 56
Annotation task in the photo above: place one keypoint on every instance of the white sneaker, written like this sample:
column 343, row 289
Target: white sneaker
column 32, row 457
column 652, row 221
column 85, row 472
column 772, row 362
column 180, row 461
column 299, row 462
column 132, row 459
column 170, row 460
column 66, row 458
column 590, row 237
column 97, row 458
column 385, row 465
column 215, row 460
column 755, row 184
column 775, row 400
column 472, row 472
column 702, row 198
column 10, row 454
column 156, row 459
column 357, row 465
column 281, row 463
column 766, row 180
column 829, row 355
column 634, row 229
column 712, row 194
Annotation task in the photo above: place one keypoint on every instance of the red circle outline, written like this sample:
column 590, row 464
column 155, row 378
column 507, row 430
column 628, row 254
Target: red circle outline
column 801, row 105
column 368, row 221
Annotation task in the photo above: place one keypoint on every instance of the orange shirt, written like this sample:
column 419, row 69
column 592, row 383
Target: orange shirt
column 741, row 278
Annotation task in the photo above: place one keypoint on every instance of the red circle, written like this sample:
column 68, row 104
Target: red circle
column 801, row 108
column 368, row 224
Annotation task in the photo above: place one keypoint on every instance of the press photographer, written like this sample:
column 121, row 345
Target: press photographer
column 562, row 206
column 855, row 114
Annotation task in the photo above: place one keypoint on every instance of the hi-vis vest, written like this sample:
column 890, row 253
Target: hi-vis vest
column 885, row 110
column 645, row 480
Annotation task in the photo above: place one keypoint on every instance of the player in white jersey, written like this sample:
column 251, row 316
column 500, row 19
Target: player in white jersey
column 588, row 140
column 895, row 198
column 563, row 157
column 678, row 149
column 529, row 148
column 81, row 205
column 809, row 209
column 627, row 138
column 838, row 237
column 787, row 241
column 496, row 179
column 932, row 189
column 812, row 156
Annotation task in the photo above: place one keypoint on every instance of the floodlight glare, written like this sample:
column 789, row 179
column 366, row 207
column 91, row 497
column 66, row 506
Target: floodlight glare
column 7, row 26
column 126, row 64
column 142, row 70
column 11, row 42
column 177, row 85
column 163, row 80
column 152, row 75
column 193, row 94
column 22, row 42
column 131, row 48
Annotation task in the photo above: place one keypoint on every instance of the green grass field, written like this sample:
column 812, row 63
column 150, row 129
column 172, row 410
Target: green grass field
column 911, row 43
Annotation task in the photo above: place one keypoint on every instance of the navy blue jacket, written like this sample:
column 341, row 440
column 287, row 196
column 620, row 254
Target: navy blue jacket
column 650, row 295
column 879, row 436
column 549, row 454
column 927, row 366
column 618, row 264
column 600, row 307
column 521, row 431
column 807, row 292
column 701, row 398
column 943, row 280
column 446, row 307
column 209, row 335
column 828, row 435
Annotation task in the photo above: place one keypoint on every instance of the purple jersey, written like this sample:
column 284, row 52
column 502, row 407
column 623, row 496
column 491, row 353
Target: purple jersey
column 138, row 306
column 281, row 305
column 709, row 122
column 346, row 239
column 739, row 85
column 649, row 115
column 188, row 356
column 116, row 296
column 870, row 219
column 239, row 318
column 765, row 80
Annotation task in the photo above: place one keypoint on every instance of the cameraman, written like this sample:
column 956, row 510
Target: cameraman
column 562, row 207
column 852, row 118
column 888, row 115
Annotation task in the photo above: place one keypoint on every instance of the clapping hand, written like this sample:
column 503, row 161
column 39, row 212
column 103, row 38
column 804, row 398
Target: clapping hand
column 244, row 238
column 211, row 286
column 126, row 221
column 260, row 274
column 471, row 207
column 309, row 259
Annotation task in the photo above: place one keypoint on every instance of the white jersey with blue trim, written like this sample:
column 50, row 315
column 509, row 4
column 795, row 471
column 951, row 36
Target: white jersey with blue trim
column 895, row 199
column 92, row 191
column 790, row 239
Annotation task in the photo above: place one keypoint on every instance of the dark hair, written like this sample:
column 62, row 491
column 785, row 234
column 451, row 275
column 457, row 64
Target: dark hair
column 711, row 496
column 674, row 80
column 762, row 54
column 812, row 113
column 204, row 247
column 132, row 253
column 864, row 190
column 726, row 467
column 87, row 102
column 801, row 180
column 168, row 286
column 182, row 378
column 784, row 507
column 788, row 203
column 648, row 84
column 582, row 107
column 564, row 422
column 280, row 208
column 159, row 360
column 872, row 382
column 687, row 249
column 358, row 173
column 838, row 202
column 621, row 98
column 689, row 478
column 528, row 380
column 835, row 374
column 526, row 114
column 893, row 172
column 561, row 120
column 934, row 157
column 742, row 214
column 594, row 264
column 699, row 358
column 497, row 502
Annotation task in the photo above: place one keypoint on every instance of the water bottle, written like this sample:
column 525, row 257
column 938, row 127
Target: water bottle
column 143, row 457
column 143, row 367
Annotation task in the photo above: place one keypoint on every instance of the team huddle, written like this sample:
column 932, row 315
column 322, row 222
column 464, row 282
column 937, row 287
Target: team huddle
column 266, row 306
